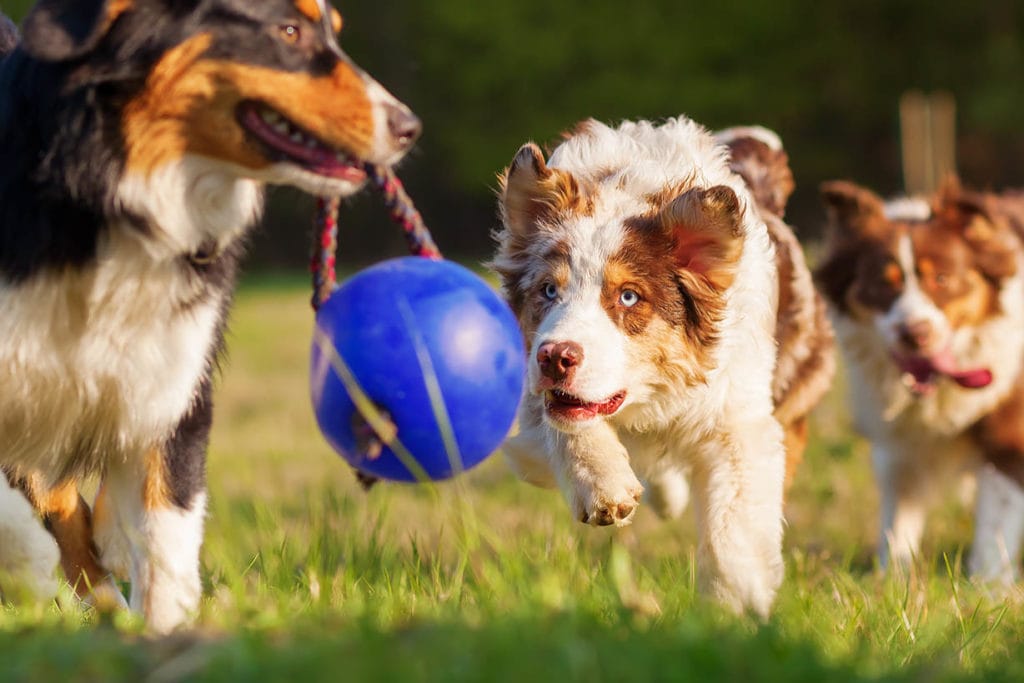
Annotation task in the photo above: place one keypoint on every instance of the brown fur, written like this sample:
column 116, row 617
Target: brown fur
column 67, row 517
column 766, row 171
column 312, row 10
column 190, row 103
column 806, row 360
column 963, row 252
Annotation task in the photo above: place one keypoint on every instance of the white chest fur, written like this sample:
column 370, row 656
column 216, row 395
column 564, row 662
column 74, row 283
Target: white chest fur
column 100, row 362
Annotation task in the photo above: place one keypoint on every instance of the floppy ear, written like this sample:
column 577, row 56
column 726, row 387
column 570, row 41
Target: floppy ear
column 62, row 30
column 532, row 193
column 853, row 210
column 707, row 233
column 993, row 244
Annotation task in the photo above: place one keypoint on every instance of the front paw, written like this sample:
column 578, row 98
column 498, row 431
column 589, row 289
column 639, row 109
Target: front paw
column 603, row 499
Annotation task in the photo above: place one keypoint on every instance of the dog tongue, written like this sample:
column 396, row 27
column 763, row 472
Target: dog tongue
column 971, row 378
column 923, row 369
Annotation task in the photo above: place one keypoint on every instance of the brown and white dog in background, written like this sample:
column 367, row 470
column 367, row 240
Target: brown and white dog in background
column 928, row 303
column 135, row 140
column 674, row 332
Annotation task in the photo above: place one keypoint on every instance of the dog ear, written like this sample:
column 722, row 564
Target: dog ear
column 707, row 233
column 853, row 210
column 62, row 30
column 992, row 242
column 532, row 193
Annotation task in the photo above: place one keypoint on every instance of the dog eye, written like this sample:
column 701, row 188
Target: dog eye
column 629, row 298
column 290, row 33
column 550, row 291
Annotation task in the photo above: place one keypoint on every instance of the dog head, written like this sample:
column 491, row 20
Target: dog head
column 261, row 88
column 922, row 275
column 619, row 293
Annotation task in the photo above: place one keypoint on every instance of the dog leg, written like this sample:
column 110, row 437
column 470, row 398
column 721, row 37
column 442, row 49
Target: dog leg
column 668, row 491
column 998, row 527
column 526, row 452
column 149, row 521
column 67, row 517
column 738, row 488
column 904, row 489
column 593, row 471
column 28, row 554
column 150, row 539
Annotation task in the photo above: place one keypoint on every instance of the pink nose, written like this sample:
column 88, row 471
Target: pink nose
column 915, row 335
column 558, row 361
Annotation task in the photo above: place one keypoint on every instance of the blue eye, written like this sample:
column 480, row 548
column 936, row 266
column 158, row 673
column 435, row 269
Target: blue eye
column 550, row 291
column 629, row 298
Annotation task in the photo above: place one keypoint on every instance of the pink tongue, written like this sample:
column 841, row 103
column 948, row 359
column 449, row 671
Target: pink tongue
column 943, row 363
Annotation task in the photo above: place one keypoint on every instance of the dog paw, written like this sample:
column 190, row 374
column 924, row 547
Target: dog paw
column 608, row 500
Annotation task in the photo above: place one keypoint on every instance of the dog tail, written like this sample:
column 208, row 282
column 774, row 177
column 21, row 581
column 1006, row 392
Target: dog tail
column 8, row 36
column 756, row 154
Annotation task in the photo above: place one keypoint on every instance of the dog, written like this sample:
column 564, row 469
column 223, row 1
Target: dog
column 672, row 326
column 136, row 138
column 927, row 298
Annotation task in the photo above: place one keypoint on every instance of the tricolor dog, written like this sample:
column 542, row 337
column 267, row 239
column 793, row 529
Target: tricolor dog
column 674, row 334
column 927, row 298
column 135, row 140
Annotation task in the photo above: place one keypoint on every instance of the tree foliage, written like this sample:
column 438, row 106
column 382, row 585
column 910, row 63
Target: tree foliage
column 487, row 76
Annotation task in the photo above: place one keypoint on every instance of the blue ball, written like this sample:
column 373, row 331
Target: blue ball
column 433, row 345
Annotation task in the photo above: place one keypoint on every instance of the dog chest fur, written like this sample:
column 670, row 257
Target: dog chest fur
column 99, row 362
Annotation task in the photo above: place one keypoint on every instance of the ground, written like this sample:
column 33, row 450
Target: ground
column 308, row 578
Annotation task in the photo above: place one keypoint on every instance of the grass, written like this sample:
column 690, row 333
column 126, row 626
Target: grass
column 308, row 578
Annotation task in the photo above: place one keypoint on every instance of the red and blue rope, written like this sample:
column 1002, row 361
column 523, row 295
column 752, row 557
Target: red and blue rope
column 323, row 265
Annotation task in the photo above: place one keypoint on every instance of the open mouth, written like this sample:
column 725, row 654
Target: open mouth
column 565, row 406
column 922, row 373
column 287, row 142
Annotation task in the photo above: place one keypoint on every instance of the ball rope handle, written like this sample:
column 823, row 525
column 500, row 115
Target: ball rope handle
column 401, row 209
column 323, row 265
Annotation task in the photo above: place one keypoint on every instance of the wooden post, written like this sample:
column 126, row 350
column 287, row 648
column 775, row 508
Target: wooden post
column 928, row 139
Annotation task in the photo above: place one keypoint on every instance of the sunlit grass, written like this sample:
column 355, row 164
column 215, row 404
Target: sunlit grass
column 307, row 577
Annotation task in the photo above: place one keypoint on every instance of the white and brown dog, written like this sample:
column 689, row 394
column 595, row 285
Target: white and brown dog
column 928, row 303
column 672, row 328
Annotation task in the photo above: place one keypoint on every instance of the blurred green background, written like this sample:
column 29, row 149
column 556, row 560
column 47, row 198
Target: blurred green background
column 487, row 76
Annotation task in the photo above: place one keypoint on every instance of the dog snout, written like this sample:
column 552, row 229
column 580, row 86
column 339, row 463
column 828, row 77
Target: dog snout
column 559, row 360
column 915, row 335
column 404, row 126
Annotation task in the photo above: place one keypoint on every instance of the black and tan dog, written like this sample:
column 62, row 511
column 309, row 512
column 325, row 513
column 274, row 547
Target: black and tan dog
column 135, row 138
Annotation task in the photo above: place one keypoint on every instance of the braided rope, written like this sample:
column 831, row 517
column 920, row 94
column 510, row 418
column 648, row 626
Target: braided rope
column 404, row 213
column 323, row 264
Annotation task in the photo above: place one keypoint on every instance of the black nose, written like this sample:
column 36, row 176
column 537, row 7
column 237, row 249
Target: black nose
column 404, row 126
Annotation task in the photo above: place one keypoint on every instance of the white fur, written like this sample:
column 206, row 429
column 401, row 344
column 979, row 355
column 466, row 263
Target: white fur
column 156, row 550
column 723, row 430
column 768, row 137
column 101, row 356
column 28, row 563
column 907, row 209
column 998, row 527
column 918, row 444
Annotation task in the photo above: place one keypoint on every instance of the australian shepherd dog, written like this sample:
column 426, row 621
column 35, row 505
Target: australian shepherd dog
column 927, row 297
column 674, row 334
column 135, row 139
